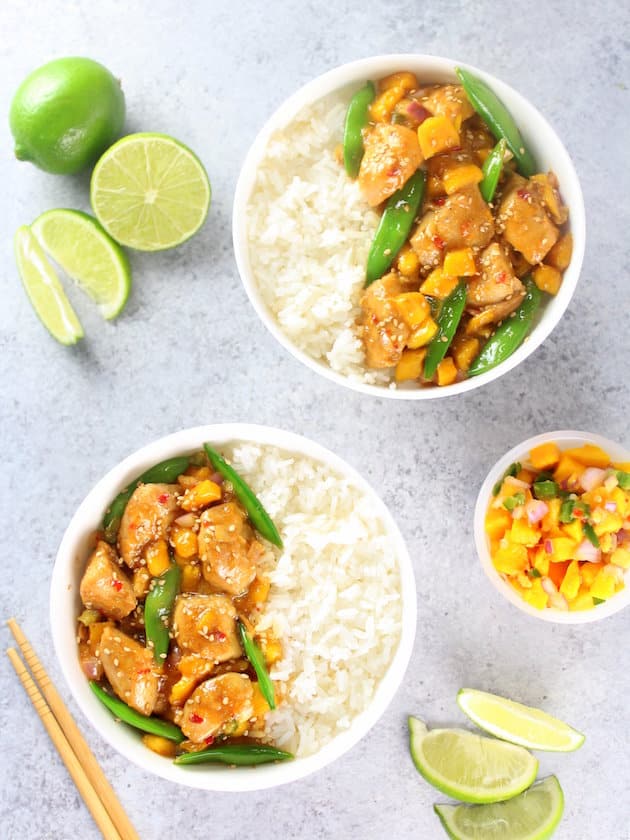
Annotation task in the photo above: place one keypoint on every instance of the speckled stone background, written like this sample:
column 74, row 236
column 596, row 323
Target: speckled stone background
column 190, row 350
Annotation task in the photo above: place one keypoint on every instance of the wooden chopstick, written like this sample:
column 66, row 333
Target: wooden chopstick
column 86, row 758
column 88, row 793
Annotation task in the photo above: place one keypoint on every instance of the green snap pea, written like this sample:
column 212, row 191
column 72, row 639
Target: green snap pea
column 153, row 725
column 157, row 611
column 241, row 754
column 492, row 168
column 498, row 119
column 395, row 225
column 259, row 517
column 166, row 471
column 356, row 119
column 257, row 660
column 448, row 318
column 510, row 334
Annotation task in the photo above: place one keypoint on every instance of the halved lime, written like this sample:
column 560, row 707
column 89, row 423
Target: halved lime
column 44, row 289
column 517, row 723
column 533, row 815
column 150, row 192
column 86, row 253
column 469, row 767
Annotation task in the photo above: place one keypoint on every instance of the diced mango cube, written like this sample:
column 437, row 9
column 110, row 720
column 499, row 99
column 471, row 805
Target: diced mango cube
column 413, row 307
column 536, row 596
column 438, row 284
column 410, row 365
column 551, row 519
column 423, row 335
column 511, row 559
column 621, row 557
column 497, row 522
column 461, row 177
column 191, row 575
column 560, row 255
column 571, row 581
column 523, row 534
column 589, row 455
column 574, row 530
column 582, row 601
column 548, row 279
column 562, row 548
column 261, row 707
column 446, row 372
column 622, row 500
column 545, row 456
column 184, row 541
column 526, row 475
column 464, row 349
column 606, row 522
column 603, row 586
column 541, row 561
column 460, row 263
column 160, row 745
column 407, row 261
column 589, row 572
column 566, row 467
column 403, row 80
column 437, row 135
column 382, row 107
column 156, row 556
column 201, row 495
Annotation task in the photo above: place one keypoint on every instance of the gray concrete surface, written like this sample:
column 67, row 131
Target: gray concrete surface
column 190, row 350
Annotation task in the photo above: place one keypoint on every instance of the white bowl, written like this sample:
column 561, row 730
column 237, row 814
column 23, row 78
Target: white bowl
column 540, row 138
column 65, row 607
column 565, row 440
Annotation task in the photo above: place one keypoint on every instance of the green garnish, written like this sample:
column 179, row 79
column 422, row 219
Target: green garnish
column 546, row 489
column 512, row 471
column 589, row 533
column 513, row 501
column 623, row 479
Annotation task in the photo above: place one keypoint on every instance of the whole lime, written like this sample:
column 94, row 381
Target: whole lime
column 65, row 114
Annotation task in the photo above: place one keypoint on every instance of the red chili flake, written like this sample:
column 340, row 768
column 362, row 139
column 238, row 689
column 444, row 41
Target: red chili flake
column 163, row 498
column 502, row 277
column 133, row 526
column 209, row 740
column 578, row 513
column 142, row 671
column 465, row 228
column 374, row 319
column 523, row 193
column 439, row 201
column 393, row 172
column 117, row 584
column 548, row 547
column 438, row 242
column 219, row 636
column 195, row 718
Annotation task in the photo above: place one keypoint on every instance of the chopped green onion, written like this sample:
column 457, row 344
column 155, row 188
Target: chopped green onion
column 591, row 536
column 597, row 601
column 545, row 489
column 534, row 573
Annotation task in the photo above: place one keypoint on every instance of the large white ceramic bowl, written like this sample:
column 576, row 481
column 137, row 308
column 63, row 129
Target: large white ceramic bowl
column 540, row 137
column 564, row 440
column 65, row 607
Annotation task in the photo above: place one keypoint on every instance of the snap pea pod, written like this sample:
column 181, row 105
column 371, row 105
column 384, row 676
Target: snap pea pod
column 257, row 660
column 259, row 517
column 498, row 119
column 157, row 610
column 492, row 168
column 395, row 224
column 510, row 334
column 153, row 725
column 447, row 319
column 241, row 754
column 166, row 471
column 356, row 119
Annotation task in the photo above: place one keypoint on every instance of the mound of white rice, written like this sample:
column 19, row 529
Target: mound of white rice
column 335, row 598
column 309, row 233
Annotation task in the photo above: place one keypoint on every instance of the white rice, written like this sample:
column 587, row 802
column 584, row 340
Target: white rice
column 309, row 233
column 335, row 599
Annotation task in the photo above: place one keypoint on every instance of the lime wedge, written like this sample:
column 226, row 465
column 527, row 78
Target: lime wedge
column 44, row 289
column 519, row 724
column 533, row 815
column 86, row 253
column 150, row 192
column 469, row 767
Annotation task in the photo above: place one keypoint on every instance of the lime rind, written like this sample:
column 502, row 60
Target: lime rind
column 472, row 751
column 150, row 192
column 515, row 819
column 87, row 254
column 518, row 724
column 44, row 290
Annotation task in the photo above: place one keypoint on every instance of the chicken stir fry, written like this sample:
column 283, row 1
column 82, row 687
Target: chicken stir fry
column 482, row 234
column 171, row 610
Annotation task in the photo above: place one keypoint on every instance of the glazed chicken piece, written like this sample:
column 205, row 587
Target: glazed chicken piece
column 448, row 101
column 130, row 669
column 463, row 221
column 497, row 282
column 147, row 517
column 392, row 155
column 206, row 625
column 226, row 548
column 219, row 706
column 524, row 221
column 104, row 586
column 383, row 332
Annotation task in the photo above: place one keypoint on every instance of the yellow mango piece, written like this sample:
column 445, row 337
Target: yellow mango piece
column 497, row 522
column 403, row 80
column 589, row 455
column 523, row 534
column 551, row 519
column 606, row 522
column 566, row 467
column 261, row 707
column 589, row 572
column 624, row 466
column 582, row 601
column 622, row 500
column 541, row 561
column 621, row 557
column 156, row 556
column 437, row 135
column 562, row 548
column 536, row 595
column 383, row 106
column 413, row 308
column 407, row 261
column 410, row 365
column 548, row 279
column 603, row 586
column 446, row 372
column 511, row 559
column 460, row 263
column 461, row 177
column 191, row 575
column 463, row 350
column 201, row 495
column 423, row 335
column 545, row 456
column 574, row 530
column 571, row 582
column 181, row 691
column 560, row 255
column 438, row 284
column 159, row 745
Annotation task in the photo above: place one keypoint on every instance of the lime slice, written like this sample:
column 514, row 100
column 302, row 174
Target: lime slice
column 469, row 767
column 533, row 815
column 519, row 724
column 86, row 253
column 150, row 192
column 44, row 289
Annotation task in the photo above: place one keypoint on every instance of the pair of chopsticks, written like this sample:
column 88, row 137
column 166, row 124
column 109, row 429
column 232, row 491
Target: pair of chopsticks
column 86, row 773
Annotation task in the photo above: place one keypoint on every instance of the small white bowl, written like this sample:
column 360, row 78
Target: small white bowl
column 565, row 440
column 540, row 137
column 65, row 607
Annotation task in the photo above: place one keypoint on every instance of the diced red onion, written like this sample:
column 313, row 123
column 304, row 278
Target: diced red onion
column 587, row 552
column 549, row 586
column 536, row 509
column 217, row 478
column 417, row 111
column 558, row 602
column 622, row 536
column 548, row 547
column 186, row 520
column 591, row 478
column 611, row 506
column 91, row 668
column 617, row 572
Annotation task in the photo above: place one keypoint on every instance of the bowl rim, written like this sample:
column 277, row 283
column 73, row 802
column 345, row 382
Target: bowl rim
column 70, row 560
column 565, row 438
column 336, row 79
